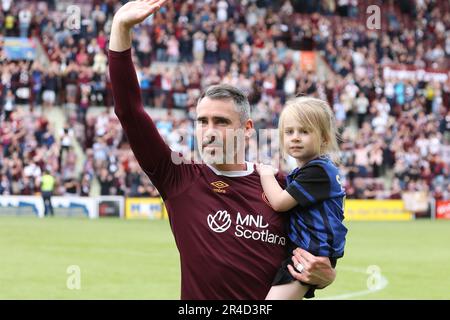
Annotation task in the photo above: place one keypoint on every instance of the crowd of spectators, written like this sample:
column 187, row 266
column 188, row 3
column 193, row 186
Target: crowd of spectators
column 394, row 130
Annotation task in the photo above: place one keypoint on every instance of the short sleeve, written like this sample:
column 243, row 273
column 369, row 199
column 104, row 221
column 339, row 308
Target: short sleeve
column 310, row 186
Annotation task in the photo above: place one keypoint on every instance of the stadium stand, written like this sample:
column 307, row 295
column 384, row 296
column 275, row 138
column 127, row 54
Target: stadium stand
column 389, row 88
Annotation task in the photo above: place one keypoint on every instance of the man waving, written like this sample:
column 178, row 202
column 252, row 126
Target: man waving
column 230, row 240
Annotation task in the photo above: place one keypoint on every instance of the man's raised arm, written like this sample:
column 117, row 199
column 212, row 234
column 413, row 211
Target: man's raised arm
column 126, row 18
column 147, row 145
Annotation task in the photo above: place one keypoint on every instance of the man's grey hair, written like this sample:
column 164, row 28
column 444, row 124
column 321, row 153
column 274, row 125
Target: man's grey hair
column 228, row 92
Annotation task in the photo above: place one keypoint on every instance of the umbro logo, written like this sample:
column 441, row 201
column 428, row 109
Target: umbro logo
column 220, row 186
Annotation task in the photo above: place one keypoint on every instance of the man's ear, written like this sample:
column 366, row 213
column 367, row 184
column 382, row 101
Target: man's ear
column 249, row 128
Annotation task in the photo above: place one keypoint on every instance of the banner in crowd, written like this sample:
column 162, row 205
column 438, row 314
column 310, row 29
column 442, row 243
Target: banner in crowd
column 144, row 208
column 308, row 61
column 74, row 206
column 110, row 206
column 62, row 206
column 21, row 205
column 412, row 72
column 376, row 210
column 416, row 201
column 19, row 48
column 443, row 209
column 92, row 207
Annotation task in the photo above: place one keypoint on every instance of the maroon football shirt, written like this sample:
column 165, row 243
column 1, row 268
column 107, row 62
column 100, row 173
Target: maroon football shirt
column 230, row 240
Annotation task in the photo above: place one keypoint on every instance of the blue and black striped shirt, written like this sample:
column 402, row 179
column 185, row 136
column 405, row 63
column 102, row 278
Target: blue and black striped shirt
column 316, row 222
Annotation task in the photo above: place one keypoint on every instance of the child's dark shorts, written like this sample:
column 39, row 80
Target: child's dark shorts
column 283, row 275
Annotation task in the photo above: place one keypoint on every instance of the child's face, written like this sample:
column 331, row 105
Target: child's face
column 299, row 143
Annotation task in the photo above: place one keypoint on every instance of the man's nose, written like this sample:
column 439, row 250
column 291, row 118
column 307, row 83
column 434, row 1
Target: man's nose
column 211, row 133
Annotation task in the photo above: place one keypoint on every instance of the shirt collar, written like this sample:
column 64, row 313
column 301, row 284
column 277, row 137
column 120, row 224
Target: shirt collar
column 239, row 173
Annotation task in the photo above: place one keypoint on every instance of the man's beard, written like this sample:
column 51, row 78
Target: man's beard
column 213, row 155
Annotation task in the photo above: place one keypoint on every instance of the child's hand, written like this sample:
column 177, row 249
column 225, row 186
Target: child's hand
column 265, row 170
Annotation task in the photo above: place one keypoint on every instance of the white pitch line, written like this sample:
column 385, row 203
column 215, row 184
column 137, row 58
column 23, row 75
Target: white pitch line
column 381, row 286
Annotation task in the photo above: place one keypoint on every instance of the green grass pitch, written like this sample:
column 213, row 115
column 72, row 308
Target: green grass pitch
column 121, row 259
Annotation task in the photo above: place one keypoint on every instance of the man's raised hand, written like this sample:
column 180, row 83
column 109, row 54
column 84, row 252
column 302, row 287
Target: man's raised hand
column 135, row 12
column 126, row 17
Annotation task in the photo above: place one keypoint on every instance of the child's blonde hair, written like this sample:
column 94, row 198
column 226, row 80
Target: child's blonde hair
column 315, row 116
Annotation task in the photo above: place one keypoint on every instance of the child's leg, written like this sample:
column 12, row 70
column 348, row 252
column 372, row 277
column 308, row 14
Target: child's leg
column 290, row 291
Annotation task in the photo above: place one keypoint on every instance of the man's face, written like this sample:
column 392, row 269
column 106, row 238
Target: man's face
column 214, row 119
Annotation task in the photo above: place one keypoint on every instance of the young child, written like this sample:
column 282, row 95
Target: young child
column 314, row 196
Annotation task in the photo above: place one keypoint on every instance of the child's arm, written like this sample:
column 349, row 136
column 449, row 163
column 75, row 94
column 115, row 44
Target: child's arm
column 278, row 198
